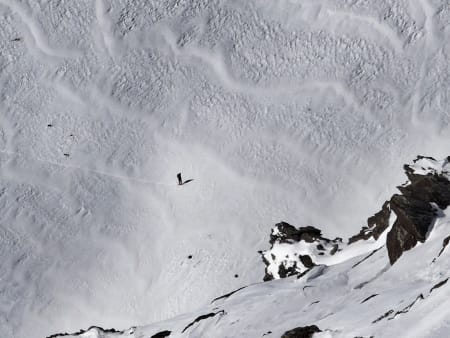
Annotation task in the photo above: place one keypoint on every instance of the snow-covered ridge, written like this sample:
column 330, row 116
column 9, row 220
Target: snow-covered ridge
column 341, row 289
column 424, row 165
column 402, row 221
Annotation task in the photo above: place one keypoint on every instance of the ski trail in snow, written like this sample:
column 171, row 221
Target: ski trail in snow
column 430, row 47
column 104, row 24
column 98, row 172
column 38, row 36
column 373, row 23
column 217, row 65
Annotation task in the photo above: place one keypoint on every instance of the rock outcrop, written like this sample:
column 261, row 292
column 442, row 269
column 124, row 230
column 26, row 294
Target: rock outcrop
column 295, row 250
column 407, row 218
column 302, row 332
column 415, row 209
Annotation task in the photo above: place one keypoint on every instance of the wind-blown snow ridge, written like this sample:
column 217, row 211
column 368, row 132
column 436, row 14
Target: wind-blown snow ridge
column 333, row 289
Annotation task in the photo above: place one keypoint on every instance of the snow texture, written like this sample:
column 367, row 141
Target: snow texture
column 300, row 110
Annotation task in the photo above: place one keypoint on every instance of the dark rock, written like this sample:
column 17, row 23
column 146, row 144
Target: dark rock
column 307, row 261
column 407, row 308
column 301, row 332
column 284, row 272
column 370, row 297
column 228, row 294
column 296, row 264
column 161, row 334
column 367, row 257
column 438, row 285
column 414, row 219
column 203, row 317
column 79, row 333
column 290, row 234
column 376, row 225
column 444, row 245
column 383, row 316
column 414, row 210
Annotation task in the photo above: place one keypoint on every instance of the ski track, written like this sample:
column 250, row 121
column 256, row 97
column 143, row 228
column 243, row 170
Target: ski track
column 88, row 170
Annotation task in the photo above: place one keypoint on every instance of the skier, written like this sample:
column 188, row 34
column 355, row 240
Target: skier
column 180, row 180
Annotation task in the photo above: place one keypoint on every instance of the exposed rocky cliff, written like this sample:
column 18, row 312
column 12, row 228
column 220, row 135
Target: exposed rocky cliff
column 405, row 219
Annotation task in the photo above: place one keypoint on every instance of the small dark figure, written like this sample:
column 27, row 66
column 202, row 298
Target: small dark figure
column 16, row 39
column 236, row 276
column 66, row 155
column 190, row 256
column 180, row 180
column 49, row 125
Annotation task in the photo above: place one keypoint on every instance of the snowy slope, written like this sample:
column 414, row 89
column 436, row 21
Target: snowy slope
column 300, row 110
column 358, row 293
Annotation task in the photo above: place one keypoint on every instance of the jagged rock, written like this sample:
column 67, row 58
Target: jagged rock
column 295, row 250
column 286, row 233
column 302, row 332
column 376, row 225
column 427, row 191
column 94, row 331
column 414, row 219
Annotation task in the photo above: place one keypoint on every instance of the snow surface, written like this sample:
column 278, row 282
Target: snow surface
column 357, row 298
column 296, row 110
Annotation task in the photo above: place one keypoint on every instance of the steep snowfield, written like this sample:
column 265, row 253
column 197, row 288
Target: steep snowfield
column 356, row 293
column 294, row 110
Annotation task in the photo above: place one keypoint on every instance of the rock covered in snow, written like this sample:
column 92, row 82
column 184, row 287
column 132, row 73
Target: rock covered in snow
column 302, row 332
column 95, row 332
column 295, row 250
column 404, row 220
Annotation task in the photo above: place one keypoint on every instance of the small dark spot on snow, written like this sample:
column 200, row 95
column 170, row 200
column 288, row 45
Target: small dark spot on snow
column 190, row 257
column 236, row 276
column 267, row 333
column 49, row 125
column 66, row 154
column 16, row 39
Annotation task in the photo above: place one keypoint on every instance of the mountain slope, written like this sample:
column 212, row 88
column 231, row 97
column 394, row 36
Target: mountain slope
column 355, row 291
column 277, row 109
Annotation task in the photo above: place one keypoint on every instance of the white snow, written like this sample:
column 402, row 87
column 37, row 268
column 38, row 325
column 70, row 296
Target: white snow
column 293, row 110
column 425, row 166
